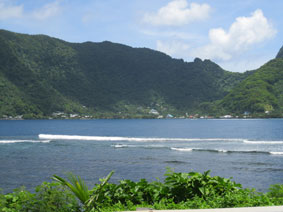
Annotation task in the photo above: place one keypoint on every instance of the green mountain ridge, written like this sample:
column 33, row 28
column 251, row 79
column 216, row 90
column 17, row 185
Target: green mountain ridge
column 261, row 92
column 280, row 53
column 40, row 76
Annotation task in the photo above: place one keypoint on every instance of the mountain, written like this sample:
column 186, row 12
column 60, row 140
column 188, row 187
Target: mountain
column 40, row 75
column 260, row 92
column 280, row 53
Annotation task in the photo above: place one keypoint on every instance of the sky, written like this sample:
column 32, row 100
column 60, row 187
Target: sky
column 238, row 35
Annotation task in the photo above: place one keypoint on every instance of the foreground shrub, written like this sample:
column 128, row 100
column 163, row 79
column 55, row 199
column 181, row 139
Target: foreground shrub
column 91, row 200
column 47, row 197
column 54, row 197
column 178, row 191
column 19, row 200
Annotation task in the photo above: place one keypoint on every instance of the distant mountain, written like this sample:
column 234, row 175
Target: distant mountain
column 262, row 92
column 40, row 75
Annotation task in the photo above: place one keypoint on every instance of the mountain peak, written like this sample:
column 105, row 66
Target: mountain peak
column 280, row 53
column 197, row 60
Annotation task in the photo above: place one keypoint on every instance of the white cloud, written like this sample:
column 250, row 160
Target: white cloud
column 177, row 13
column 173, row 48
column 47, row 11
column 17, row 12
column 242, row 34
column 9, row 11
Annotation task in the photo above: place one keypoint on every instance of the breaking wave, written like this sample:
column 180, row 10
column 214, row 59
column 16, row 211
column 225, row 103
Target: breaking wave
column 23, row 141
column 45, row 138
column 116, row 138
column 139, row 146
column 225, row 151
column 262, row 142
column 120, row 146
column 182, row 149
column 276, row 153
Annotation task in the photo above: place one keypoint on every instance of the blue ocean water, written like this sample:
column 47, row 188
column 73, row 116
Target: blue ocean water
column 249, row 150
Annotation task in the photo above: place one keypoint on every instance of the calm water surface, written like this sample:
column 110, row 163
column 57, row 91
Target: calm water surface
column 31, row 151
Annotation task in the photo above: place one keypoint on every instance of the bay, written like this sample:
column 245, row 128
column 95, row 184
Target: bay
column 249, row 150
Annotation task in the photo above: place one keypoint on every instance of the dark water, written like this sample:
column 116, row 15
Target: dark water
column 250, row 151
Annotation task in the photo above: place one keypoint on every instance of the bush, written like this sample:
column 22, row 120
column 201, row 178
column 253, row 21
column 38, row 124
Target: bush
column 48, row 197
column 19, row 200
column 178, row 191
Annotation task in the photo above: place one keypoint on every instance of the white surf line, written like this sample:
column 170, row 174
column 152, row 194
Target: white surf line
column 225, row 151
column 139, row 146
column 262, row 142
column 117, row 138
column 121, row 146
column 182, row 149
column 199, row 149
column 23, row 141
column 276, row 153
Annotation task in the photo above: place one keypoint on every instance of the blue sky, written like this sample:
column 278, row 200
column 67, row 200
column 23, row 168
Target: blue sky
column 239, row 35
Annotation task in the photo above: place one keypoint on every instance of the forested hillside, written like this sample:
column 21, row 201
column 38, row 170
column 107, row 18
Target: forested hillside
column 262, row 92
column 280, row 53
column 40, row 75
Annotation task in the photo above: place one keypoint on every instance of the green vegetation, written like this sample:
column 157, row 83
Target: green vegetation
column 90, row 200
column 41, row 77
column 178, row 191
column 48, row 197
column 261, row 93
column 280, row 53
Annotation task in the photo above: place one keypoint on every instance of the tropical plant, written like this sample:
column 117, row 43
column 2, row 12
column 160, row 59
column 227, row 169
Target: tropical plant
column 76, row 185
column 183, row 186
column 89, row 199
column 98, row 193
column 276, row 191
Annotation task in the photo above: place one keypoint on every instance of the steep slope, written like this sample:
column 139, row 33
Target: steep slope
column 143, row 76
column 44, row 75
column 260, row 92
column 280, row 53
column 23, row 68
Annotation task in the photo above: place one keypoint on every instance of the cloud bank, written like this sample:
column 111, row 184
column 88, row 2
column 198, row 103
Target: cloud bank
column 47, row 11
column 178, row 13
column 9, row 11
column 242, row 34
column 17, row 12
column 224, row 46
